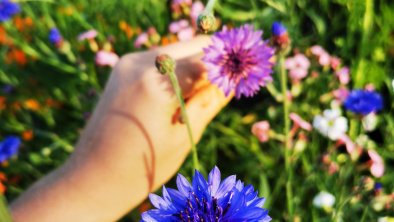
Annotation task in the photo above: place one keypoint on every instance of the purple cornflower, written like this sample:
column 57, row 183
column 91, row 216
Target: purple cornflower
column 209, row 201
column 363, row 102
column 8, row 147
column 239, row 60
column 8, row 9
column 54, row 36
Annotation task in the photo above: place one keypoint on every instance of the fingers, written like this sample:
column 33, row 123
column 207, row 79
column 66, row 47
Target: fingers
column 203, row 106
column 184, row 49
column 191, row 75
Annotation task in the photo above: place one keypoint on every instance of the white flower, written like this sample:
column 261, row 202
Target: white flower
column 331, row 124
column 324, row 200
column 370, row 122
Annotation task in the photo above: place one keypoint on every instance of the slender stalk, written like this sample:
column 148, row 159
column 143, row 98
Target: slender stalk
column 178, row 92
column 365, row 213
column 4, row 213
column 359, row 78
column 286, row 130
column 210, row 5
column 354, row 128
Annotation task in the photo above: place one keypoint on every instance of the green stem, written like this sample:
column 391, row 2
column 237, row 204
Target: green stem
column 286, row 130
column 209, row 6
column 178, row 93
column 365, row 213
column 274, row 92
column 4, row 213
column 359, row 77
column 354, row 128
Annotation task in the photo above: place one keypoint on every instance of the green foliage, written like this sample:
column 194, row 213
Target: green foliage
column 67, row 86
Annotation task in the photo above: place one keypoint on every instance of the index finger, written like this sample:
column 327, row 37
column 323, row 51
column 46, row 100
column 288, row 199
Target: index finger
column 181, row 50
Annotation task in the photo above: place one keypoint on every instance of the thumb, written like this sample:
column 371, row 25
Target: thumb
column 203, row 106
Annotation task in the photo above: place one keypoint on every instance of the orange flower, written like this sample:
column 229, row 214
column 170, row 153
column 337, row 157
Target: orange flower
column 3, row 178
column 23, row 23
column 3, row 102
column 168, row 39
column 27, row 135
column 165, row 41
column 17, row 56
column 3, row 37
column 126, row 28
column 32, row 104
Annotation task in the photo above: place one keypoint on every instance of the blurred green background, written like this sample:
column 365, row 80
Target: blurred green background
column 54, row 92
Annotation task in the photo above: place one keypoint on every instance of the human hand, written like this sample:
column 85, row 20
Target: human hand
column 134, row 141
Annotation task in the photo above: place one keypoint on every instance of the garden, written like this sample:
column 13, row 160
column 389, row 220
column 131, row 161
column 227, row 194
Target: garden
column 309, row 132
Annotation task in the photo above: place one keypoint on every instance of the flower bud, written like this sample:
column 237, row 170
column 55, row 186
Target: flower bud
column 206, row 22
column 280, row 37
column 261, row 130
column 165, row 64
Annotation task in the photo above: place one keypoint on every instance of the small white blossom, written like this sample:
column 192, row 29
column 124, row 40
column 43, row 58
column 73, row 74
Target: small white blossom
column 370, row 122
column 331, row 124
column 324, row 200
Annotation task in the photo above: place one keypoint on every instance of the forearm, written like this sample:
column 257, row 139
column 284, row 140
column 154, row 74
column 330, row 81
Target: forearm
column 99, row 178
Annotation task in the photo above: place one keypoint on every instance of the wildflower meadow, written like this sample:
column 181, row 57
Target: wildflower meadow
column 307, row 136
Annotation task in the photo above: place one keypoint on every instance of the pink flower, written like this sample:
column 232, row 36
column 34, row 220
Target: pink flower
column 179, row 2
column 370, row 87
column 343, row 75
column 333, row 168
column 298, row 66
column 105, row 58
column 177, row 26
column 350, row 146
column 335, row 62
column 341, row 94
column 300, row 122
column 186, row 34
column 261, row 130
column 196, row 10
column 317, row 50
column 182, row 29
column 377, row 166
column 91, row 34
column 324, row 59
column 142, row 39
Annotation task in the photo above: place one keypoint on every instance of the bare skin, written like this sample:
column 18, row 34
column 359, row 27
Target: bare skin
column 132, row 144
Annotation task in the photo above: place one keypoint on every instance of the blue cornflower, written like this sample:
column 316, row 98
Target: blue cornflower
column 54, row 36
column 363, row 102
column 209, row 201
column 8, row 147
column 280, row 38
column 278, row 29
column 8, row 9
